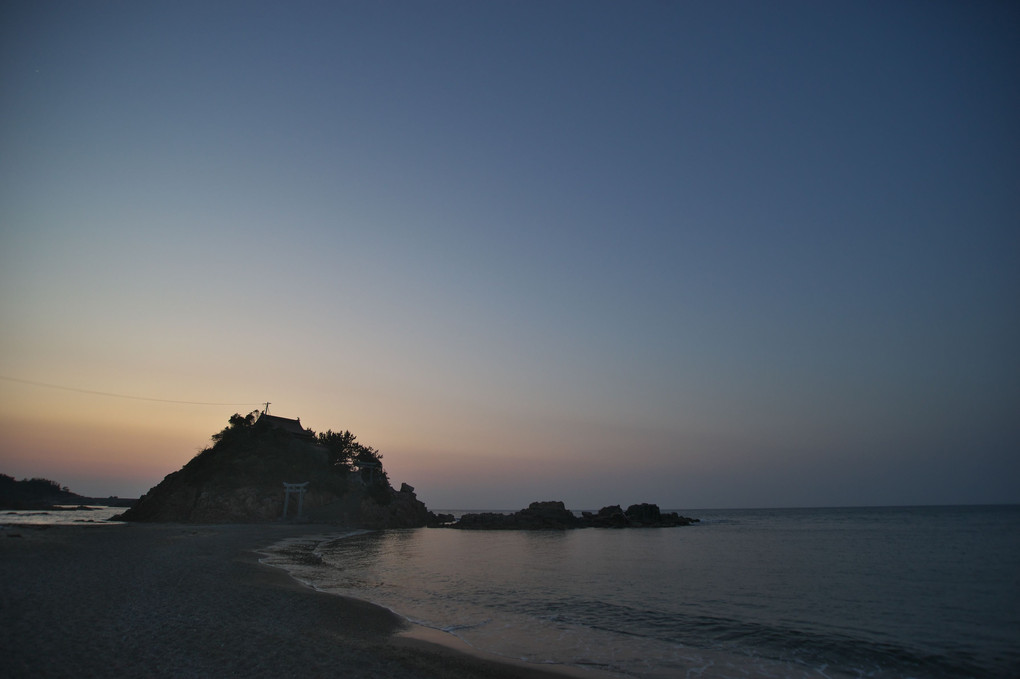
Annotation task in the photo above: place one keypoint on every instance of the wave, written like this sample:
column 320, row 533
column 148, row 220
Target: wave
column 786, row 643
column 660, row 603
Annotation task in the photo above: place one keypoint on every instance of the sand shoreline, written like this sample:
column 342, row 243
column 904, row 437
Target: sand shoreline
column 180, row 600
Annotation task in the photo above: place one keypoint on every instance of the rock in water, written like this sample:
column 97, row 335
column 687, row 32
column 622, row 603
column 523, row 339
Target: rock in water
column 555, row 516
column 546, row 515
column 643, row 514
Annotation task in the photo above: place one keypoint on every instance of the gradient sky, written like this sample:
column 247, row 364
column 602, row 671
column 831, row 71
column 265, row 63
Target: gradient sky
column 712, row 254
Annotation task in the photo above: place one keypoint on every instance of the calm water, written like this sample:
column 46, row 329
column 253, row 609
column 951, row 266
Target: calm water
column 92, row 515
column 874, row 592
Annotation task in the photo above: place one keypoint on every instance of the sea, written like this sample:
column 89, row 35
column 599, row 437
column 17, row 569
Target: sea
column 883, row 592
column 63, row 514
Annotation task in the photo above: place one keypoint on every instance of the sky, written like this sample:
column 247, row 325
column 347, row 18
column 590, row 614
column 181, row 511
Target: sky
column 722, row 254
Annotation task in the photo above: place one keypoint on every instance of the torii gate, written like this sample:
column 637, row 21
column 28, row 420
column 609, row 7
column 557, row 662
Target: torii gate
column 299, row 489
column 371, row 466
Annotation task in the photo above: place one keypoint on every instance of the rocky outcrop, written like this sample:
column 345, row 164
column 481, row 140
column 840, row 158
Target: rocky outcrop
column 607, row 517
column 555, row 516
column 404, row 510
column 537, row 516
column 240, row 480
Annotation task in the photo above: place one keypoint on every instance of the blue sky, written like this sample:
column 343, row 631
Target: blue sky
column 701, row 254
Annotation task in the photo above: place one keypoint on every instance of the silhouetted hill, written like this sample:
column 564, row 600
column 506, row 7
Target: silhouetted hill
column 33, row 493
column 240, row 479
column 43, row 494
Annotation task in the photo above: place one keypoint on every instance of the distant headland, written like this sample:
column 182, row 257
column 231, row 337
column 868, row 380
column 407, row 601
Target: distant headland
column 44, row 494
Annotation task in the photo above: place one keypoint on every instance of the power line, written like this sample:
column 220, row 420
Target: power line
column 112, row 395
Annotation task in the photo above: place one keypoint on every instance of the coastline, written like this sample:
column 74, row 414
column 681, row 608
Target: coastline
column 194, row 600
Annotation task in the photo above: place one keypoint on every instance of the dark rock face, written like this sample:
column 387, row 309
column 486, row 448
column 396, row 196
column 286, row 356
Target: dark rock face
column 644, row 514
column 404, row 510
column 555, row 516
column 241, row 480
column 607, row 517
column 544, row 515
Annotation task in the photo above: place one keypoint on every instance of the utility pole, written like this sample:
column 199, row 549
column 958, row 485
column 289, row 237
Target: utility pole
column 266, row 411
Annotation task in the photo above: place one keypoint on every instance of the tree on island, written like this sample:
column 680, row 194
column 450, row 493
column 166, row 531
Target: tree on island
column 238, row 427
column 345, row 450
column 346, row 453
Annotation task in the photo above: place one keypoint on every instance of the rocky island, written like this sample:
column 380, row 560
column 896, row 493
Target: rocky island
column 555, row 516
column 241, row 479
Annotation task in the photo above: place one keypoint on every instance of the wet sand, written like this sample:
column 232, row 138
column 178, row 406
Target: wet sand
column 172, row 600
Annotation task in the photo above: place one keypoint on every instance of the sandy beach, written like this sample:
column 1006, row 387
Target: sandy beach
column 173, row 600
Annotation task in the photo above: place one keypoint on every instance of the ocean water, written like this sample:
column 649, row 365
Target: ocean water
column 92, row 515
column 863, row 592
